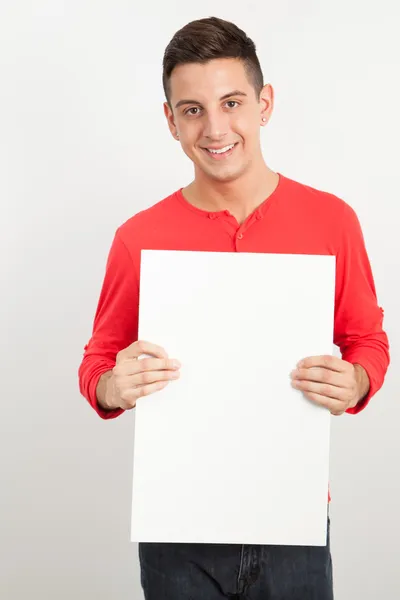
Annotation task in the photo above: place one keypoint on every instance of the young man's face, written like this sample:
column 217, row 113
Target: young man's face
column 214, row 107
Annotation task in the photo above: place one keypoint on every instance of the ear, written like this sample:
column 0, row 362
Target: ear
column 266, row 103
column 170, row 120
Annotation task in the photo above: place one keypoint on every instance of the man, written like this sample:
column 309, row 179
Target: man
column 216, row 103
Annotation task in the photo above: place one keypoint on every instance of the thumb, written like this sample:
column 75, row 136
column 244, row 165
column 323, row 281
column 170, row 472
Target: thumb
column 140, row 348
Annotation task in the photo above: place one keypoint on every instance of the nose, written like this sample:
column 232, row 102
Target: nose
column 216, row 126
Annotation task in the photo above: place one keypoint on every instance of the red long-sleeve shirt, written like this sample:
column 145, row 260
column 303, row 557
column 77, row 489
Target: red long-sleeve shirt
column 295, row 219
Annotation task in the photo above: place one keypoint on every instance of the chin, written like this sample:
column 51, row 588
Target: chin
column 226, row 178
column 226, row 175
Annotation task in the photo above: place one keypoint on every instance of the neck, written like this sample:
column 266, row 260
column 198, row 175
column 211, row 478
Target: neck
column 241, row 196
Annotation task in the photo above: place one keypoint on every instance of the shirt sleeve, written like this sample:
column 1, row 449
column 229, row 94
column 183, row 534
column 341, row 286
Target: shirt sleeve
column 115, row 323
column 358, row 327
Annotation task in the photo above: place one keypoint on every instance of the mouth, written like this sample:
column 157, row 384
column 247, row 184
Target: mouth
column 220, row 153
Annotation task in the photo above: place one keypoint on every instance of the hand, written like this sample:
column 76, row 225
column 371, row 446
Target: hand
column 134, row 377
column 331, row 382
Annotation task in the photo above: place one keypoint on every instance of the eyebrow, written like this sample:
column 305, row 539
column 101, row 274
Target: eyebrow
column 224, row 97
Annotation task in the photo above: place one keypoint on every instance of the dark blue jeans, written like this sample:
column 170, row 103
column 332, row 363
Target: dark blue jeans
column 215, row 572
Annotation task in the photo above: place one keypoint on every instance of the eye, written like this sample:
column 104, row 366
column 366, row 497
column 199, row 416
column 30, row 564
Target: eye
column 193, row 108
column 232, row 102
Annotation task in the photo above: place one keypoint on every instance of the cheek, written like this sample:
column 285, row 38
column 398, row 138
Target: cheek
column 190, row 135
column 189, row 144
column 245, row 127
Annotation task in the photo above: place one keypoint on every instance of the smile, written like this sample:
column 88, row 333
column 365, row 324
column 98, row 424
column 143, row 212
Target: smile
column 220, row 153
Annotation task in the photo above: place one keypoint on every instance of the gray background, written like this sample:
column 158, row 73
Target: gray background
column 83, row 146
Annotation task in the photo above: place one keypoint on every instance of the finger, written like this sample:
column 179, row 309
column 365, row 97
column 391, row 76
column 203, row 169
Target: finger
column 142, row 347
column 334, row 406
column 133, row 366
column 326, row 361
column 147, row 377
column 159, row 364
column 319, row 375
column 130, row 396
column 323, row 389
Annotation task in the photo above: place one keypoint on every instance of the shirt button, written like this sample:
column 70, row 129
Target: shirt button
column 259, row 217
column 212, row 216
column 240, row 236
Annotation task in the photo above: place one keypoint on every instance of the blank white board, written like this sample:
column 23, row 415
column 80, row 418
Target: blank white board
column 230, row 452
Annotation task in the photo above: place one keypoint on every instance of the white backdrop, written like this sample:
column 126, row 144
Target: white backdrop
column 83, row 146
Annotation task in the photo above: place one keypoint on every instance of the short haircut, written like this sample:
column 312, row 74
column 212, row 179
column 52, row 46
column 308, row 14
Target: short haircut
column 207, row 39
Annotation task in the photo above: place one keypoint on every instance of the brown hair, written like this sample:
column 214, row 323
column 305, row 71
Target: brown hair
column 207, row 39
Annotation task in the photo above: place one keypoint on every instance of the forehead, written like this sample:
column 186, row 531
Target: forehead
column 206, row 81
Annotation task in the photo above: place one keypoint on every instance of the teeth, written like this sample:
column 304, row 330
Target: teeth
column 222, row 149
